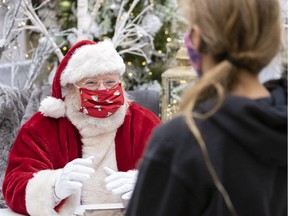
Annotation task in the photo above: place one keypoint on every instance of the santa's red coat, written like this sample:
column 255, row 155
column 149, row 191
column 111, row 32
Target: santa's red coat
column 45, row 143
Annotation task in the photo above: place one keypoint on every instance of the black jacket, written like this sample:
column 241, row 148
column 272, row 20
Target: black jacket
column 247, row 144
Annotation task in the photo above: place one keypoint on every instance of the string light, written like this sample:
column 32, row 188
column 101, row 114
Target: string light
column 171, row 111
column 130, row 74
column 166, row 32
column 169, row 39
column 64, row 48
column 144, row 63
column 159, row 52
column 150, row 73
column 129, row 63
column 4, row 4
column 21, row 24
column 49, row 68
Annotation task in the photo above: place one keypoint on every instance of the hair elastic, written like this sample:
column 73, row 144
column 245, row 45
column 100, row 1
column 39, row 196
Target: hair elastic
column 234, row 61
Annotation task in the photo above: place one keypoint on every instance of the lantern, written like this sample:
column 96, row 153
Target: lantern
column 174, row 82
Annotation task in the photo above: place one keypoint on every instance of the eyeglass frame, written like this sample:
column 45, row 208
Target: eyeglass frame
column 84, row 83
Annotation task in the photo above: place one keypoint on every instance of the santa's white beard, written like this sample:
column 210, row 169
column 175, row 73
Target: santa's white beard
column 98, row 138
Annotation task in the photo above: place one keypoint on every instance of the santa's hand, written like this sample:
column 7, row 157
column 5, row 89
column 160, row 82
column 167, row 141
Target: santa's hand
column 121, row 183
column 73, row 175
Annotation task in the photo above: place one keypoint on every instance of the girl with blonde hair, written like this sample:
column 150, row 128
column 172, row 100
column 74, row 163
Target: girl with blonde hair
column 226, row 153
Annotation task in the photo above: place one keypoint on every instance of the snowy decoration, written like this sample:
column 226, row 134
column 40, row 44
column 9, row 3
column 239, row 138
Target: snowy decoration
column 129, row 34
column 151, row 23
column 2, row 42
column 37, row 25
column 86, row 26
column 8, row 36
column 154, row 85
column 40, row 55
column 15, row 73
column 48, row 14
column 16, row 21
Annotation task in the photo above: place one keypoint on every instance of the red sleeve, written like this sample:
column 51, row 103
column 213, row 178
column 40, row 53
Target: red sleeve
column 36, row 148
column 133, row 135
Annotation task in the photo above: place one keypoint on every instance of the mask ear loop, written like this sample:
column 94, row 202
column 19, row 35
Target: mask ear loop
column 74, row 103
column 76, row 86
column 211, row 170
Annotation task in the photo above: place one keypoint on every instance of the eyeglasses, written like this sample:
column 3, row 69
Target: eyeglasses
column 93, row 84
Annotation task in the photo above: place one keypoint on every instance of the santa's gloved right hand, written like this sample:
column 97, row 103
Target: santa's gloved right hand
column 73, row 175
column 121, row 183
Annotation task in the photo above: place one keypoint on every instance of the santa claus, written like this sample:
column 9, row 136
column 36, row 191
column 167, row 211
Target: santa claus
column 63, row 153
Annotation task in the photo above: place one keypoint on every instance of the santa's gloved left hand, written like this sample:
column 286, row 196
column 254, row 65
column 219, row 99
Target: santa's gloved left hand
column 121, row 183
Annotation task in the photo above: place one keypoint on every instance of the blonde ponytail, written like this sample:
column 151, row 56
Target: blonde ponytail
column 214, row 83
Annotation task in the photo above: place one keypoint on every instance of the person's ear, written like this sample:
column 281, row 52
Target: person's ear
column 196, row 37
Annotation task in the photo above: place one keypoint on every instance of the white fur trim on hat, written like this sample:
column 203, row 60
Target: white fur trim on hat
column 52, row 107
column 92, row 60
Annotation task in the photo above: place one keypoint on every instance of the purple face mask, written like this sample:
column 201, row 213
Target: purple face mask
column 193, row 54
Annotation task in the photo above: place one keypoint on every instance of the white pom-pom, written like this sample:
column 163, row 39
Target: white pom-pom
column 52, row 107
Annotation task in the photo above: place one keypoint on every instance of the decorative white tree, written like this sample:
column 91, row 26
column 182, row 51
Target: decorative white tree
column 19, row 14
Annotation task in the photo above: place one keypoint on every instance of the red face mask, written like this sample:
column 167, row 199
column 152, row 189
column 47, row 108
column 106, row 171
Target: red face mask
column 101, row 103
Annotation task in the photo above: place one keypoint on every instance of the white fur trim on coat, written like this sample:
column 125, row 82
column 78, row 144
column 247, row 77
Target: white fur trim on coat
column 52, row 107
column 92, row 60
column 40, row 198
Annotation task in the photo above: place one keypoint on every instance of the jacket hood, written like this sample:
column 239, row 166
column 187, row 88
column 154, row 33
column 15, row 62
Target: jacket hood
column 259, row 126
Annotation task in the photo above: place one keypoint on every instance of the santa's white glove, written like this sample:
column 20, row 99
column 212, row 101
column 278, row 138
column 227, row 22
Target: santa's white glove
column 73, row 175
column 121, row 183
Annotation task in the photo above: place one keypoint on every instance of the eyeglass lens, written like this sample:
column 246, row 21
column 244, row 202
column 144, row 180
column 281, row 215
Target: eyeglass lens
column 95, row 84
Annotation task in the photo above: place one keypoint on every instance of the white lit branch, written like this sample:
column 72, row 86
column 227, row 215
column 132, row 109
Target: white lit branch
column 38, row 26
column 129, row 34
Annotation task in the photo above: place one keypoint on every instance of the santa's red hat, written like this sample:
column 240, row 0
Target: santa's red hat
column 84, row 59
